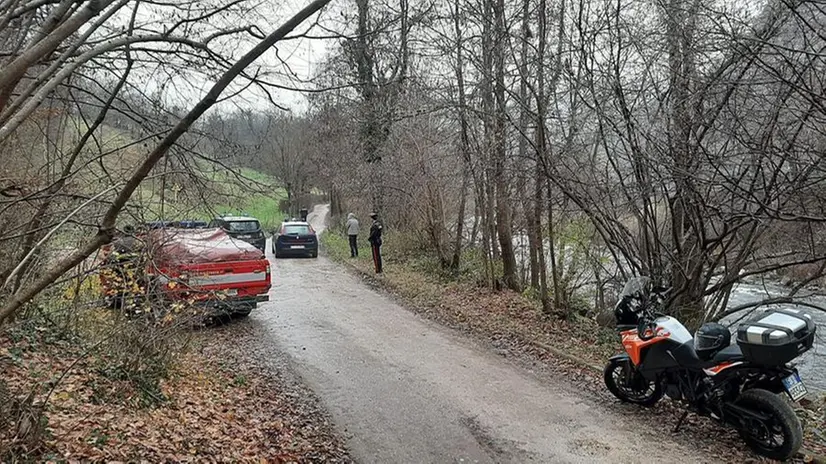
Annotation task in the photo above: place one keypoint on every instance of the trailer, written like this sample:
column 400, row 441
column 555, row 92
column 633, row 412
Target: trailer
column 203, row 267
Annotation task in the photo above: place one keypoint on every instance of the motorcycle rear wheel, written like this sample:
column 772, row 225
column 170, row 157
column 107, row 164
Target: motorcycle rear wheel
column 636, row 389
column 778, row 438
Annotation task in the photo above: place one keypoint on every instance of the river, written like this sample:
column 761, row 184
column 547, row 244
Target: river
column 812, row 365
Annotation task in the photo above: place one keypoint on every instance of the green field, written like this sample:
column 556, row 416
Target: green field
column 245, row 192
column 206, row 189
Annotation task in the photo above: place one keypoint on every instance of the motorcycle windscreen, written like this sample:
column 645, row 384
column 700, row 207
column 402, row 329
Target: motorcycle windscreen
column 637, row 287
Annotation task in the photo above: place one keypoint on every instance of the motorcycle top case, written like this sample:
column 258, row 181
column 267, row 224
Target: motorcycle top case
column 776, row 337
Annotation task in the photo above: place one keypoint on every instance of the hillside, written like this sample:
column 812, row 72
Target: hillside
column 179, row 188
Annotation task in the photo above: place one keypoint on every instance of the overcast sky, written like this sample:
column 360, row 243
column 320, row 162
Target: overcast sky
column 300, row 57
column 290, row 63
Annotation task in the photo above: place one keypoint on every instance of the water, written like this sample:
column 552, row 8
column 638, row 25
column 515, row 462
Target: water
column 811, row 365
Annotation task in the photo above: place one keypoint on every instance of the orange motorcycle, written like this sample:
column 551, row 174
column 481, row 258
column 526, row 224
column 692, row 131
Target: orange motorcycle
column 738, row 384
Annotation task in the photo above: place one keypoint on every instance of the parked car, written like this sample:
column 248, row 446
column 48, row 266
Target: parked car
column 190, row 224
column 295, row 238
column 246, row 228
column 157, row 225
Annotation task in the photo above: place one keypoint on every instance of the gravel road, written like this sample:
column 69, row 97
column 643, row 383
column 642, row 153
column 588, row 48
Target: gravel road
column 406, row 390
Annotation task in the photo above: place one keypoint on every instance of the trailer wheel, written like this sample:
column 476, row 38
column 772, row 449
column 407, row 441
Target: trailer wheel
column 243, row 310
column 240, row 314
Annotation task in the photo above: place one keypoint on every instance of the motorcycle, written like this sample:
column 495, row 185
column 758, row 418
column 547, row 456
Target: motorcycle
column 739, row 385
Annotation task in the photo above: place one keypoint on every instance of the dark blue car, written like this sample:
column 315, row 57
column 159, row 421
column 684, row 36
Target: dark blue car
column 295, row 239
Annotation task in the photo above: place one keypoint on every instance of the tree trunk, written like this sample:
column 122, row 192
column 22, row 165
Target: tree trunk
column 503, row 209
column 371, row 130
column 464, row 147
column 542, row 159
column 488, row 203
column 540, row 251
column 524, row 120
column 559, row 301
column 460, row 223
column 680, row 23
column 487, row 258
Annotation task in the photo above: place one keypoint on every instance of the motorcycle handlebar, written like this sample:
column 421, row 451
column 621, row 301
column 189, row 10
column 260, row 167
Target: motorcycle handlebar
column 643, row 329
column 649, row 314
column 647, row 323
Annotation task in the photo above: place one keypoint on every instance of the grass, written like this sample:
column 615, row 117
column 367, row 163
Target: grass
column 245, row 191
column 241, row 190
column 248, row 192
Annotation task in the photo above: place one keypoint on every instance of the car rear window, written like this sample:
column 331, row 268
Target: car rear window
column 243, row 226
column 296, row 229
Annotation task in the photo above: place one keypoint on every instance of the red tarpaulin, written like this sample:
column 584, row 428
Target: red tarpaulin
column 183, row 246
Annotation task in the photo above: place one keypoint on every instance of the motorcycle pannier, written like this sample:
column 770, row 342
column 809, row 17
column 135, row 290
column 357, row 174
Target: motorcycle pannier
column 776, row 337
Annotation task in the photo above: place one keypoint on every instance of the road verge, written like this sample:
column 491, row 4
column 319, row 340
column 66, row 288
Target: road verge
column 514, row 326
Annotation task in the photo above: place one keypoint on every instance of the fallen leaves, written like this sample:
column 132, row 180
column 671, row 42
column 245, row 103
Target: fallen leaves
column 208, row 414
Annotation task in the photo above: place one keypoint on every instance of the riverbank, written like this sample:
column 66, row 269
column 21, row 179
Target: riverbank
column 515, row 326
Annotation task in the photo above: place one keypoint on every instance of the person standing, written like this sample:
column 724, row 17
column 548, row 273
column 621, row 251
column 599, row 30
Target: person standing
column 375, row 241
column 353, row 234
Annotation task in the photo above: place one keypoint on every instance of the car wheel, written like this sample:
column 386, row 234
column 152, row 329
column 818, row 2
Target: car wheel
column 314, row 254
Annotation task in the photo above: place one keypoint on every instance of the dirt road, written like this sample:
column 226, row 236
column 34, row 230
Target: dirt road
column 405, row 390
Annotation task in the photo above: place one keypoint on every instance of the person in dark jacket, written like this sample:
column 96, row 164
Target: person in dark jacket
column 353, row 234
column 375, row 241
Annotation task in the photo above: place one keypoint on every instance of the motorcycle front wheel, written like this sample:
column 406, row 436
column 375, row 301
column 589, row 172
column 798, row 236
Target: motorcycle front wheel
column 778, row 437
column 626, row 383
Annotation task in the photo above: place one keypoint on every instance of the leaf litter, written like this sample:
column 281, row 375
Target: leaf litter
column 216, row 406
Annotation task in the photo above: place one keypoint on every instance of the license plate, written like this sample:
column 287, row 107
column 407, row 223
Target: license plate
column 232, row 292
column 297, row 247
column 794, row 386
column 245, row 236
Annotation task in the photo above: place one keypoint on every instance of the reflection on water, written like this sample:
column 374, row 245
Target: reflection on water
column 812, row 365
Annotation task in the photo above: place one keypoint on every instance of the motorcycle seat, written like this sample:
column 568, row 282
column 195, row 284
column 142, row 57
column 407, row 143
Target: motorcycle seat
column 731, row 353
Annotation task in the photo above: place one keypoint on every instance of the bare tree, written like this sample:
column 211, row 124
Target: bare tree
column 126, row 188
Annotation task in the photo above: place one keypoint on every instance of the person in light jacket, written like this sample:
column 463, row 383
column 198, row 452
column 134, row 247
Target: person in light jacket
column 353, row 234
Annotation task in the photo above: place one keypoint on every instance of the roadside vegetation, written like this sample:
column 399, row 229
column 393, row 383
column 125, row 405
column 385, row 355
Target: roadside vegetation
column 515, row 325
column 92, row 386
column 104, row 123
